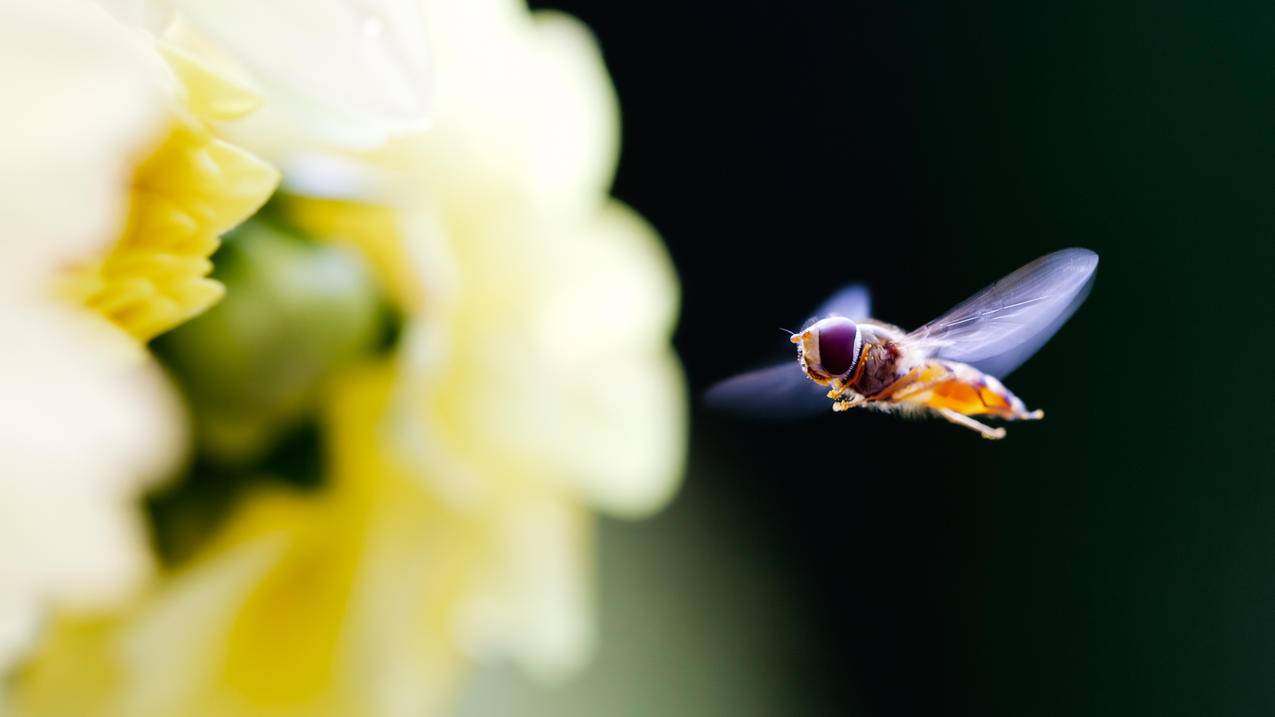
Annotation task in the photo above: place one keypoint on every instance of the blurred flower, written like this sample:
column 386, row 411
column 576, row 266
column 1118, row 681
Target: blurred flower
column 84, row 426
column 339, row 73
column 190, row 189
column 114, row 186
column 85, row 422
column 531, row 382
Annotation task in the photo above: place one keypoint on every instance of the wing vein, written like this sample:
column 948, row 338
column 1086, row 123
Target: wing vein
column 1000, row 327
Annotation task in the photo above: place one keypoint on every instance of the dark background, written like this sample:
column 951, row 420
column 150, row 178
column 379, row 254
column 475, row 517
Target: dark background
column 1117, row 558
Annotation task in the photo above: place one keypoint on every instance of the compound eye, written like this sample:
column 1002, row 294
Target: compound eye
column 838, row 345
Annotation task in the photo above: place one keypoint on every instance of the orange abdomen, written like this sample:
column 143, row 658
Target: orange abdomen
column 966, row 390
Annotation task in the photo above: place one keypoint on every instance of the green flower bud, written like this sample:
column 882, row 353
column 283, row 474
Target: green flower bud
column 296, row 310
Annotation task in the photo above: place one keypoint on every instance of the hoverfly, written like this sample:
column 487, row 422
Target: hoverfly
column 948, row 367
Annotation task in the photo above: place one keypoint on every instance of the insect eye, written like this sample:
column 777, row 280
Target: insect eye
column 838, row 344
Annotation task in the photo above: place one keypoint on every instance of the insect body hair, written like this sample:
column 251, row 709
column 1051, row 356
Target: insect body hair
column 906, row 409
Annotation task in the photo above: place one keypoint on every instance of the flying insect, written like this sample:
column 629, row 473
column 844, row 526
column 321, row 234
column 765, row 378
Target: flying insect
column 951, row 367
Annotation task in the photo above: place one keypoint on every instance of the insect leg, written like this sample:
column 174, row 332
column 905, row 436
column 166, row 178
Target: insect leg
column 961, row 419
column 846, row 404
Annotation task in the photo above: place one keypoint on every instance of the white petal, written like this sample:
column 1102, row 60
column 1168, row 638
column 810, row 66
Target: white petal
column 83, row 99
column 177, row 641
column 352, row 72
column 150, row 15
column 524, row 109
column 534, row 605
column 19, row 623
column 86, row 424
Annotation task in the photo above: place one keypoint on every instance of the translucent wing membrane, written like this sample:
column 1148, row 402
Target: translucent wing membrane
column 780, row 391
column 852, row 302
column 1000, row 327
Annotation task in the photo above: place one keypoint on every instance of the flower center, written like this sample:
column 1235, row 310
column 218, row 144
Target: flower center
column 191, row 189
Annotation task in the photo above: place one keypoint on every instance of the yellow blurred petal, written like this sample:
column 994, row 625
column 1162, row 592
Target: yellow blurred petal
column 374, row 230
column 534, row 603
column 245, row 182
column 192, row 188
column 610, row 287
column 585, row 308
column 161, row 656
column 170, row 654
column 524, row 111
column 211, row 95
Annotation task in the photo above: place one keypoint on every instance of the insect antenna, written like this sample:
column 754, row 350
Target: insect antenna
column 786, row 331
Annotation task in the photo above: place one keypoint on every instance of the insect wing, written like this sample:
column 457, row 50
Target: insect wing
column 1000, row 327
column 852, row 302
column 780, row 391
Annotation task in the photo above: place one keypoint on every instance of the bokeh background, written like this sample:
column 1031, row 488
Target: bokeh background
column 1118, row 558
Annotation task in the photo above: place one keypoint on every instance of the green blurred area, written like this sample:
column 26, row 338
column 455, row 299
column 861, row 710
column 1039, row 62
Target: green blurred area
column 253, row 369
column 296, row 311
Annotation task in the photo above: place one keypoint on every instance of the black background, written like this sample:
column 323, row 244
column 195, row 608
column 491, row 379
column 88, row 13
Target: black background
column 1118, row 557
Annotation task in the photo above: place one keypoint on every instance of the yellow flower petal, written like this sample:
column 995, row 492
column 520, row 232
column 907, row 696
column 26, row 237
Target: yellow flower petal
column 209, row 94
column 374, row 230
column 524, row 111
column 192, row 188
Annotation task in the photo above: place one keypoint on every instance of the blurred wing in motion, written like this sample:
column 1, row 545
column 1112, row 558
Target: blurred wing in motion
column 780, row 391
column 852, row 302
column 1000, row 327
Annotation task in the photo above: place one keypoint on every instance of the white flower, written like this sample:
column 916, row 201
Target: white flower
column 115, row 183
column 84, row 421
column 340, row 74
column 533, row 385
column 84, row 425
column 349, row 72
column 84, row 99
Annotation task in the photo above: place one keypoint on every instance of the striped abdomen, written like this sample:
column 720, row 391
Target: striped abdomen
column 962, row 388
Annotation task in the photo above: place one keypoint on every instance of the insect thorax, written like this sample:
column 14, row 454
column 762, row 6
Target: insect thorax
column 881, row 368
